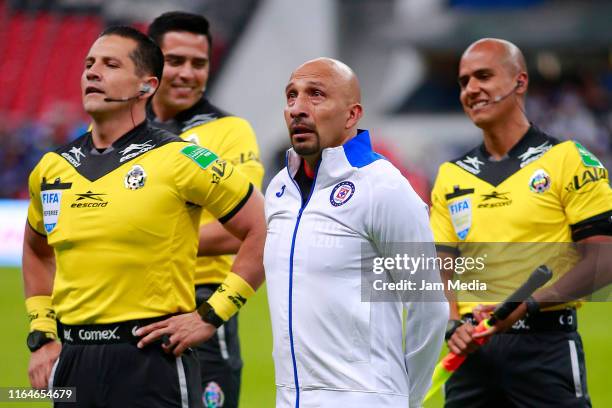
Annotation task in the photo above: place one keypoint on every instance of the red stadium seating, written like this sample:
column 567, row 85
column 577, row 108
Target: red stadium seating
column 42, row 59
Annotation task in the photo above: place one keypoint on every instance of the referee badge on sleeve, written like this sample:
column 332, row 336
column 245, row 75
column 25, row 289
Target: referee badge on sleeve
column 461, row 216
column 51, row 200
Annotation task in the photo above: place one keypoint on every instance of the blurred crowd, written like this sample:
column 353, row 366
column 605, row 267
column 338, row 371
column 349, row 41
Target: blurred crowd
column 579, row 108
column 23, row 144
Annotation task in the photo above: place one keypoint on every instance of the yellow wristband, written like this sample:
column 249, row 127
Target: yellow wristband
column 41, row 314
column 230, row 296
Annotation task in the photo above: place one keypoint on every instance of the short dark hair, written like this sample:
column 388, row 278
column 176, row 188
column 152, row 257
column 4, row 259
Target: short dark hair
column 179, row 21
column 147, row 55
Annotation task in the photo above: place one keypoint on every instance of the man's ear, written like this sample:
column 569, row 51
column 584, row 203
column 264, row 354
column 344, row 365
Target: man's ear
column 521, row 83
column 354, row 115
column 149, row 86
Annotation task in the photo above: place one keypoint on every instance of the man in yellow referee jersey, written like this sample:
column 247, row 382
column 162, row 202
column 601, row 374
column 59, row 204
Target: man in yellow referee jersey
column 111, row 243
column 531, row 196
column 181, row 107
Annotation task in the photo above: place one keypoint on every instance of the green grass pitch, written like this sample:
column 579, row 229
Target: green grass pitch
column 258, row 376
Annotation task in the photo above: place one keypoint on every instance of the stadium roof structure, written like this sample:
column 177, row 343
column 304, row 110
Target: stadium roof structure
column 584, row 25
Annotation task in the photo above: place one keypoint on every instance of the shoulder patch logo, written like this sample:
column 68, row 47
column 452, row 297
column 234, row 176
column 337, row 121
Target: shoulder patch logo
column 588, row 158
column 534, row 153
column 134, row 150
column 197, row 120
column 341, row 193
column 135, row 178
column 203, row 157
column 193, row 138
column 471, row 164
column 461, row 216
column 74, row 156
column 539, row 182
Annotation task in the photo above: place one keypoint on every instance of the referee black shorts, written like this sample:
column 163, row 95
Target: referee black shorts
column 107, row 369
column 220, row 360
column 540, row 364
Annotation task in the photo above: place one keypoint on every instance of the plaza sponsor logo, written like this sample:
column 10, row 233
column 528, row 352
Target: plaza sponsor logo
column 586, row 181
column 495, row 199
column 135, row 149
column 89, row 200
column 219, row 171
column 74, row 156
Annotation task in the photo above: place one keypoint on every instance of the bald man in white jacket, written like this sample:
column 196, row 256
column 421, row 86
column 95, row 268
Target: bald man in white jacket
column 336, row 205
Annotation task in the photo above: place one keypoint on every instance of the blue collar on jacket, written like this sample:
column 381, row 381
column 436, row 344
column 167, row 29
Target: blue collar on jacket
column 358, row 152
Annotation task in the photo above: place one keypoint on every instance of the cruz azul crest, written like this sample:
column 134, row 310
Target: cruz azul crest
column 341, row 193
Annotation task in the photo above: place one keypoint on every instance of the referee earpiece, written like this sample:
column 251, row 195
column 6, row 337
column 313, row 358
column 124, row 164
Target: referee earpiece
column 145, row 88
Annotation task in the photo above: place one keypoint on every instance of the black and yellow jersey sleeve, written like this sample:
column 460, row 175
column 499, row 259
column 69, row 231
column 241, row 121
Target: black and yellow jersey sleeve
column 233, row 139
column 586, row 191
column 35, row 212
column 441, row 223
column 204, row 179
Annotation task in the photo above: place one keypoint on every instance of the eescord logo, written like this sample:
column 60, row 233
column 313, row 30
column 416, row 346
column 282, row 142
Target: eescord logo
column 90, row 200
column 499, row 200
column 135, row 149
column 96, row 335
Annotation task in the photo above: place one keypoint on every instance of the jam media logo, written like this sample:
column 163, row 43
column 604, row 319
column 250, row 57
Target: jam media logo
column 135, row 178
column 461, row 216
column 539, row 182
column 213, row 396
column 495, row 199
column 341, row 193
column 471, row 164
column 135, row 149
column 89, row 200
column 74, row 156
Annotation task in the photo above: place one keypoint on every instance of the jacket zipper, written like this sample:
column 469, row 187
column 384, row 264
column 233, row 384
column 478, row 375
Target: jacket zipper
column 295, row 230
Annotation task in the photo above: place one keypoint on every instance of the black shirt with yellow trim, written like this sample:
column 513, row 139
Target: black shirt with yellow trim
column 123, row 222
column 544, row 191
column 233, row 139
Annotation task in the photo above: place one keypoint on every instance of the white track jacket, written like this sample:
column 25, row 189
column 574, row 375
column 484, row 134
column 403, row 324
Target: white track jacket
column 330, row 348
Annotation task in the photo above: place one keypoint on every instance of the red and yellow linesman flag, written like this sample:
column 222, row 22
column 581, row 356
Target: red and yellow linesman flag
column 451, row 362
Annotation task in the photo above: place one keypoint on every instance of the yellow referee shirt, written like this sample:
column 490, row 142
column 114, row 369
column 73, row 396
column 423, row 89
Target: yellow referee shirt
column 124, row 223
column 527, row 204
column 233, row 139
